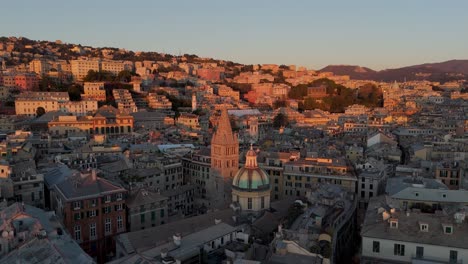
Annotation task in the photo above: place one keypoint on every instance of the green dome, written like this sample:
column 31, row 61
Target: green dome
column 251, row 179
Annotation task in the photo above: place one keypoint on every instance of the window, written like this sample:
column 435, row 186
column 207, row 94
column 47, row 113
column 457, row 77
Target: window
column 249, row 203
column 393, row 223
column 263, row 202
column 107, row 199
column 162, row 213
column 77, row 216
column 419, row 252
column 93, row 203
column 76, row 205
column 448, row 230
column 108, row 226
column 107, row 209
column 78, row 233
column 376, row 246
column 92, row 213
column 453, row 256
column 92, row 230
column 424, row 227
column 153, row 215
column 142, row 218
column 399, row 250
column 118, row 207
column 119, row 196
column 119, row 222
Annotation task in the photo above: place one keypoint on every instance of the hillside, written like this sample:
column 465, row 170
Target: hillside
column 441, row 71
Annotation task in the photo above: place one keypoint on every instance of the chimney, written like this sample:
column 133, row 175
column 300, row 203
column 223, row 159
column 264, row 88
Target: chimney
column 177, row 239
column 93, row 175
column 164, row 252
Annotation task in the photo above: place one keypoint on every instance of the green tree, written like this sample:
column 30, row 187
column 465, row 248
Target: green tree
column 280, row 120
column 298, row 92
column 279, row 103
column 40, row 111
column 75, row 92
column 124, row 76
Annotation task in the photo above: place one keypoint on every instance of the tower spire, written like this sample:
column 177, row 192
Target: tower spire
column 223, row 131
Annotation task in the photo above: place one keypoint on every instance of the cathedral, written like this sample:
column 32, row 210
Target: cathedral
column 251, row 186
column 247, row 187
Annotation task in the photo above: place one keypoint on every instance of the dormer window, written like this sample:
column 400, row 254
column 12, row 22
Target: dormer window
column 424, row 227
column 416, row 194
column 394, row 223
column 448, row 229
column 444, row 195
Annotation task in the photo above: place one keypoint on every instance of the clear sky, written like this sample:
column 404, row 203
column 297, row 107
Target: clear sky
column 374, row 33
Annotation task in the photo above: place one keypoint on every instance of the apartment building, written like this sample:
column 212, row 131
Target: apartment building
column 146, row 209
column 79, row 108
column 94, row 90
column 28, row 102
column 451, row 174
column 112, row 66
column 394, row 235
column 80, row 68
column 156, row 101
column 300, row 175
column 92, row 209
column 40, row 66
column 124, row 101
column 188, row 121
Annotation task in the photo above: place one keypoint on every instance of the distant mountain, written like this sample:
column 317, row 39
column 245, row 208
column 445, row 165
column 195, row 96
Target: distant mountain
column 356, row 72
column 441, row 71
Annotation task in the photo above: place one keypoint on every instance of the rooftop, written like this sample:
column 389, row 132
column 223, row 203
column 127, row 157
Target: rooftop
column 379, row 213
column 86, row 185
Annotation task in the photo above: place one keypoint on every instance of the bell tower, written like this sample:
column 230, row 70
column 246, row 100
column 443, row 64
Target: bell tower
column 224, row 149
column 224, row 161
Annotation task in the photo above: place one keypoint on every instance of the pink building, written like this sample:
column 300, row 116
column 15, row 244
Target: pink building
column 27, row 81
column 214, row 74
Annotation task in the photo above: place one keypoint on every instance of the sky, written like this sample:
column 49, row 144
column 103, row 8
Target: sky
column 371, row 33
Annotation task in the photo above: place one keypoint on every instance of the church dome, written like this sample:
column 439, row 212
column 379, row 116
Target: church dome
column 251, row 177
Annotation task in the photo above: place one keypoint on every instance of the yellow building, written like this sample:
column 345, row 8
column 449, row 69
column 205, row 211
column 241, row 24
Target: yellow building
column 28, row 102
column 80, row 68
column 188, row 120
column 107, row 120
column 94, row 90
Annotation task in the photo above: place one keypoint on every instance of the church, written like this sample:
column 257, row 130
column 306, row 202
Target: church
column 247, row 187
column 251, row 186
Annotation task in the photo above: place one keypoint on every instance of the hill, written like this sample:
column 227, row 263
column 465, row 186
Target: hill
column 441, row 71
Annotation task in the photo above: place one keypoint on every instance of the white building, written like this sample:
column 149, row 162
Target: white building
column 392, row 235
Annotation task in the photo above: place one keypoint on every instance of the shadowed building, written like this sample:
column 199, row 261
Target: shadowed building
column 224, row 157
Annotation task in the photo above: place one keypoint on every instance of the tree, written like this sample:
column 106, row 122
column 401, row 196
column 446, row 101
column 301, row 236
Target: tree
column 124, row 76
column 279, row 103
column 75, row 92
column 280, row 120
column 40, row 111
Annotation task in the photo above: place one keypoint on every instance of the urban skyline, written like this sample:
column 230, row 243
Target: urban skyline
column 309, row 33
column 208, row 132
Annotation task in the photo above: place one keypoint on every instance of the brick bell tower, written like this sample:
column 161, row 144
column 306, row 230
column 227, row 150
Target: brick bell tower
column 224, row 160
